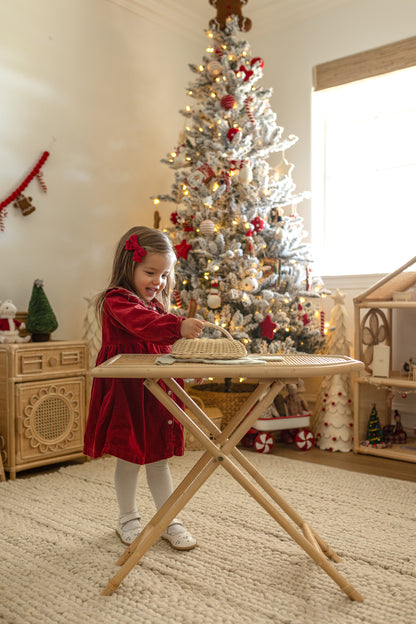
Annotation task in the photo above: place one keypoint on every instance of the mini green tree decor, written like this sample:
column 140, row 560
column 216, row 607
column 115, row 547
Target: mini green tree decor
column 374, row 430
column 41, row 320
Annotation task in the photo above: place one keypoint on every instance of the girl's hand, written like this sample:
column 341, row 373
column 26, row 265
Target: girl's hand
column 191, row 327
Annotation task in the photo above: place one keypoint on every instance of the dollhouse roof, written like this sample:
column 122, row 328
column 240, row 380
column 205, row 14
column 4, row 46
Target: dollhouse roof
column 398, row 281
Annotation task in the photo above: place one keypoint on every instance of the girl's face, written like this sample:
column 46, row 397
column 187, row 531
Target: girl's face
column 150, row 275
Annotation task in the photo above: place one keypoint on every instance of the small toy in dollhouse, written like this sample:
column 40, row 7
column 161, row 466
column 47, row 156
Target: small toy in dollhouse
column 10, row 327
column 289, row 415
column 407, row 368
column 395, row 433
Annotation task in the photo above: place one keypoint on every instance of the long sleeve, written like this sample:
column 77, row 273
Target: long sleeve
column 149, row 324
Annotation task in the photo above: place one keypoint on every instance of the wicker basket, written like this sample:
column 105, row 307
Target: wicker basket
column 214, row 413
column 215, row 395
column 209, row 348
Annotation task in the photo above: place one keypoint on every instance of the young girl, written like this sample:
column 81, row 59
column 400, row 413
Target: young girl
column 125, row 419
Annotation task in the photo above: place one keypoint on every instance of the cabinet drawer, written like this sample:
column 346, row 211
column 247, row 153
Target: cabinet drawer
column 49, row 361
column 50, row 418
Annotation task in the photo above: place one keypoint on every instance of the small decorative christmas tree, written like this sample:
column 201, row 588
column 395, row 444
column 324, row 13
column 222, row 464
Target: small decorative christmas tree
column 41, row 320
column 374, row 431
column 333, row 413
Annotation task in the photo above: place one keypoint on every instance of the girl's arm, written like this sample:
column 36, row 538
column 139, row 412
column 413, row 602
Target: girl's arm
column 130, row 314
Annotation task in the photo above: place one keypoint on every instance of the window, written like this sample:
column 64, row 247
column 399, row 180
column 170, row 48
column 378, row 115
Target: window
column 364, row 163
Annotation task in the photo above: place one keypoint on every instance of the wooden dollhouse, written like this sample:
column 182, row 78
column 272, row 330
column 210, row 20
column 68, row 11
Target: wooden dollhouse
column 385, row 340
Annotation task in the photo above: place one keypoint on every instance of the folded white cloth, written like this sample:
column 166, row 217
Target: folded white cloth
column 248, row 359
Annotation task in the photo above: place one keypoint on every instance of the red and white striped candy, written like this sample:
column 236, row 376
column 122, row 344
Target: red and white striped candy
column 304, row 440
column 42, row 182
column 264, row 442
column 247, row 102
column 177, row 298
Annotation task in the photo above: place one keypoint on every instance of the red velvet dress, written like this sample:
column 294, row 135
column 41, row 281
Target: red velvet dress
column 125, row 419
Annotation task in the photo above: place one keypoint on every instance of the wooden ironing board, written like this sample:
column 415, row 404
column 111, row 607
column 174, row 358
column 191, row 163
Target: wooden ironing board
column 222, row 449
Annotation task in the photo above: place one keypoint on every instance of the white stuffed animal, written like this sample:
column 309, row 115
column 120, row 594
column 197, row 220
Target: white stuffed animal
column 9, row 326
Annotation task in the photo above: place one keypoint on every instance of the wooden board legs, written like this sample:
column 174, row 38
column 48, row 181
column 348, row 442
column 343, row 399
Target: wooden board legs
column 221, row 450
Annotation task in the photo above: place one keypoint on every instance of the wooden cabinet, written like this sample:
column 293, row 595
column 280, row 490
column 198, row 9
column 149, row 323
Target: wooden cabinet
column 43, row 403
column 385, row 316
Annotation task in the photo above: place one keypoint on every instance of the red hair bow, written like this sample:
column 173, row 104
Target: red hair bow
column 132, row 244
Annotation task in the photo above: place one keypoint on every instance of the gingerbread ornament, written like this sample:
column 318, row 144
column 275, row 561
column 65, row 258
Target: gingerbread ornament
column 228, row 8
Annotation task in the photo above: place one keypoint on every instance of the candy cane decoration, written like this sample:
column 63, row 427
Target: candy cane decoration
column 42, row 182
column 247, row 102
column 177, row 298
column 3, row 215
column 322, row 315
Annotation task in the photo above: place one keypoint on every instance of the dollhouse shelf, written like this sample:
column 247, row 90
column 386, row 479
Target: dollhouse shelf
column 375, row 311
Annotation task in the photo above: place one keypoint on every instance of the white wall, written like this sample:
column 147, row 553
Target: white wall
column 107, row 83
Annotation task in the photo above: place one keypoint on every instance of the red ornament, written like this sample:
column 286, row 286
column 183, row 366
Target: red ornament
column 188, row 227
column 231, row 133
column 268, row 327
column 257, row 60
column 236, row 164
column 248, row 72
column 175, row 218
column 227, row 101
column 305, row 319
column 202, row 175
column 224, row 178
column 183, row 249
column 258, row 224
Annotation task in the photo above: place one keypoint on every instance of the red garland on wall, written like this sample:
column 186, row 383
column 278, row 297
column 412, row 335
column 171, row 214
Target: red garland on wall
column 17, row 196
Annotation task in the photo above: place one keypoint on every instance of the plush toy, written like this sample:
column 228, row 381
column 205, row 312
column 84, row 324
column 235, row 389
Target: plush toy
column 294, row 402
column 9, row 326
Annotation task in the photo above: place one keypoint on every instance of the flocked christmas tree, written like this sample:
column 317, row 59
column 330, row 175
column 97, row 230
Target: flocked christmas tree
column 242, row 255
column 334, row 412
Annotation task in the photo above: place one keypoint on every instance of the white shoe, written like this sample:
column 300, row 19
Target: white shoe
column 178, row 536
column 128, row 527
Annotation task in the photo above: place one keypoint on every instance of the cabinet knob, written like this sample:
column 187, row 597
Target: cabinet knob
column 53, row 361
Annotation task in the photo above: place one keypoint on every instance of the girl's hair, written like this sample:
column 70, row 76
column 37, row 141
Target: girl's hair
column 153, row 241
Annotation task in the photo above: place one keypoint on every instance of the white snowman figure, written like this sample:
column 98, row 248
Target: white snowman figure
column 214, row 299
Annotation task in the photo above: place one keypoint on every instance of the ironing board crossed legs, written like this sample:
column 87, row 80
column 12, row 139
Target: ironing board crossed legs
column 221, row 447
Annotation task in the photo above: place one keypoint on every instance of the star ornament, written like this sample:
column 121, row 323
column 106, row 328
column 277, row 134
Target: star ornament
column 268, row 327
column 285, row 168
column 183, row 249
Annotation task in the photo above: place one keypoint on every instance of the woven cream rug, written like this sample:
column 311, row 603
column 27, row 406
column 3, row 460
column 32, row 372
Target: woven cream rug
column 59, row 548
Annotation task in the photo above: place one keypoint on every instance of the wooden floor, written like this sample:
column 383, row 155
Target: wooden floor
column 355, row 462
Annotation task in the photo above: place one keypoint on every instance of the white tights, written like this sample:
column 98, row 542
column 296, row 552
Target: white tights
column 159, row 481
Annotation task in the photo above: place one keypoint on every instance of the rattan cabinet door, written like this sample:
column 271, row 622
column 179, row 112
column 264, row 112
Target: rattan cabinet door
column 50, row 419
